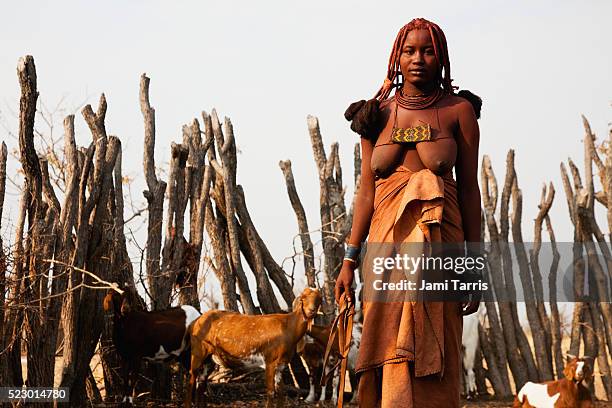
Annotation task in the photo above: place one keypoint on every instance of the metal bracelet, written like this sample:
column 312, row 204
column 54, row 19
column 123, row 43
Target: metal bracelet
column 352, row 252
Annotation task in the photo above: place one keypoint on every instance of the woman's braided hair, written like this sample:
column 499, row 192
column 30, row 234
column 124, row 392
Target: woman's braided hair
column 364, row 115
column 394, row 74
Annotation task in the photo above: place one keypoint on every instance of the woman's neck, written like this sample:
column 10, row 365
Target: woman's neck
column 418, row 89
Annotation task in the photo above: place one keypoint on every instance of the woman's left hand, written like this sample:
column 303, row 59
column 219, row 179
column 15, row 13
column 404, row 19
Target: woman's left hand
column 470, row 307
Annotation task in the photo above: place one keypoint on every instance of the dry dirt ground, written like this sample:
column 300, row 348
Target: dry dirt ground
column 252, row 395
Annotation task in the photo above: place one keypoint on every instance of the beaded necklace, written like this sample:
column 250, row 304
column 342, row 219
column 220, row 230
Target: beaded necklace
column 420, row 101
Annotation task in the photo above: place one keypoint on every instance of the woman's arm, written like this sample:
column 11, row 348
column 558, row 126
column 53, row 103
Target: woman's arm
column 362, row 216
column 364, row 202
column 467, row 172
column 467, row 183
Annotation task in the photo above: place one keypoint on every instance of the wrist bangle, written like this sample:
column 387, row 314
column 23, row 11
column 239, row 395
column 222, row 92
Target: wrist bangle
column 352, row 252
column 350, row 260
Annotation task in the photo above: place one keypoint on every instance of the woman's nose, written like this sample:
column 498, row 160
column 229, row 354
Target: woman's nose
column 419, row 58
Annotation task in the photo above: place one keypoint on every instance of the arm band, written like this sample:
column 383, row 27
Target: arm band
column 352, row 253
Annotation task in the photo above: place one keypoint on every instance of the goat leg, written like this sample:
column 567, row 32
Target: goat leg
column 192, row 394
column 323, row 392
column 199, row 367
column 134, row 377
column 201, row 388
column 279, row 386
column 311, row 390
column 335, row 385
column 127, row 370
column 125, row 375
column 270, row 384
column 354, row 384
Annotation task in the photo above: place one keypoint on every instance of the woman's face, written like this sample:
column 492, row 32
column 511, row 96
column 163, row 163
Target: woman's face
column 418, row 61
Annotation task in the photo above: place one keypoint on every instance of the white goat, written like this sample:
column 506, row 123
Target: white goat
column 469, row 343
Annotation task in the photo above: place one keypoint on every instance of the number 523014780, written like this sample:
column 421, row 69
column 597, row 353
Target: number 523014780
column 33, row 394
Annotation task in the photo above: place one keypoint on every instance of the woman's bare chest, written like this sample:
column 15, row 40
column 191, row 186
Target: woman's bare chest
column 438, row 153
column 440, row 122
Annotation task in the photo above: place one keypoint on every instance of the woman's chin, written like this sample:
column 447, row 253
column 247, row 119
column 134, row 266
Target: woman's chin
column 419, row 81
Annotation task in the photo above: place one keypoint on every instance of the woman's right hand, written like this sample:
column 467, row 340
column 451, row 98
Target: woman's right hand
column 344, row 282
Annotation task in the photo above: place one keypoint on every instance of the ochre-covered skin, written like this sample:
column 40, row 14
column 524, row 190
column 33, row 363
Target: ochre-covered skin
column 231, row 336
column 410, row 356
column 439, row 155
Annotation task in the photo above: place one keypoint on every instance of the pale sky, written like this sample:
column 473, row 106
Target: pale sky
column 267, row 65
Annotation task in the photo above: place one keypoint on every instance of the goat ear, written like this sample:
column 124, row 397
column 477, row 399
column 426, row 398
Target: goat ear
column 299, row 347
column 569, row 357
column 108, row 302
column 568, row 372
column 125, row 307
column 296, row 302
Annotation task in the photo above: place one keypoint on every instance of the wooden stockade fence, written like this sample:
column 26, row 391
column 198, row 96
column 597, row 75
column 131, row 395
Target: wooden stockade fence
column 70, row 247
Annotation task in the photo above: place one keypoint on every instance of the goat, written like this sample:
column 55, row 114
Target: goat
column 154, row 336
column 568, row 392
column 469, row 344
column 312, row 356
column 321, row 336
column 270, row 339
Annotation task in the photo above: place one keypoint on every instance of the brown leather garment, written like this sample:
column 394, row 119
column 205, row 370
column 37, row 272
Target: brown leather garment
column 410, row 351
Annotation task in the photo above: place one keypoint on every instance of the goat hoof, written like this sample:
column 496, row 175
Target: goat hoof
column 127, row 402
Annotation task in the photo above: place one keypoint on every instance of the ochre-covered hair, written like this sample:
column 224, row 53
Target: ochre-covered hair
column 364, row 115
column 394, row 74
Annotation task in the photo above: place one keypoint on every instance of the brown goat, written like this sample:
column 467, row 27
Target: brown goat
column 312, row 355
column 270, row 339
column 568, row 392
column 155, row 336
column 321, row 334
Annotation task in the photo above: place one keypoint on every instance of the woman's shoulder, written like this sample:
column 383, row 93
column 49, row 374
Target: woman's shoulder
column 387, row 103
column 454, row 100
column 469, row 102
column 459, row 105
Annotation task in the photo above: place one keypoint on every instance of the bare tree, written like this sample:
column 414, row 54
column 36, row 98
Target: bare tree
column 504, row 330
column 304, row 232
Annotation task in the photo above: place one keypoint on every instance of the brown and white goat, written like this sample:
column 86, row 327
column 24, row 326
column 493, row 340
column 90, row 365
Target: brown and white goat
column 154, row 336
column 271, row 339
column 568, row 392
column 312, row 357
column 316, row 353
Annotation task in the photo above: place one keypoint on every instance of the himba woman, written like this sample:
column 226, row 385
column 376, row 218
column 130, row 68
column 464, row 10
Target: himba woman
column 410, row 351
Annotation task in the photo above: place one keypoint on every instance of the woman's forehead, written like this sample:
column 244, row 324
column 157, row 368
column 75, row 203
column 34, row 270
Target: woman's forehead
column 418, row 37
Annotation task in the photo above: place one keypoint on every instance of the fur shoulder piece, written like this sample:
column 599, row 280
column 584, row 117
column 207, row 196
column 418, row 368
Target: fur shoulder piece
column 473, row 99
column 364, row 117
